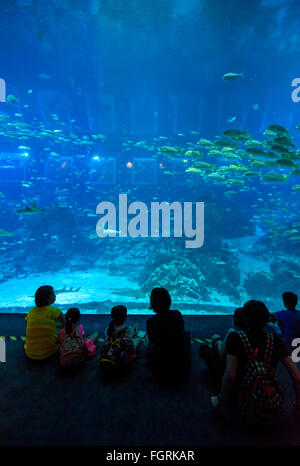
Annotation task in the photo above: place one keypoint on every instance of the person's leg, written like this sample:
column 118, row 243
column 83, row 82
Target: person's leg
column 214, row 363
column 137, row 342
column 187, row 350
column 146, row 341
column 215, row 338
column 93, row 337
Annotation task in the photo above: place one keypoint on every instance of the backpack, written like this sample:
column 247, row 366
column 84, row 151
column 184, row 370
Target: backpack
column 71, row 350
column 117, row 352
column 260, row 397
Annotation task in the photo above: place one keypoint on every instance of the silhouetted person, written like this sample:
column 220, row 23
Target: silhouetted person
column 289, row 319
column 169, row 344
column 41, row 320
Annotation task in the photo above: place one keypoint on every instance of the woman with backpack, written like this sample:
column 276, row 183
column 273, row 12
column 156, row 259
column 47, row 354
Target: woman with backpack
column 251, row 360
column 73, row 348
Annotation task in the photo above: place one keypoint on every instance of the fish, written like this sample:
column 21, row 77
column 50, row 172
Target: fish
column 205, row 143
column 255, row 107
column 44, row 76
column 253, row 143
column 30, row 210
column 170, row 150
column 233, row 181
column 11, row 99
column 285, row 163
column 192, row 153
column 278, row 129
column 6, row 233
column 194, row 170
column 128, row 292
column 110, row 231
column 238, row 167
column 250, row 174
column 255, row 151
column 236, row 134
column 70, row 290
column 204, row 165
column 231, row 76
column 231, row 120
column 274, row 177
column 284, row 141
column 215, row 153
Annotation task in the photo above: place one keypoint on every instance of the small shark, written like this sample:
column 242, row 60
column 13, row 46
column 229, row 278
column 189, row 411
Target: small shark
column 30, row 210
column 65, row 290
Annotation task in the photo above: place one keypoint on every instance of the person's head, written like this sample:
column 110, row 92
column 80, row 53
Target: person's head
column 290, row 300
column 118, row 315
column 44, row 296
column 255, row 315
column 238, row 319
column 160, row 300
column 72, row 317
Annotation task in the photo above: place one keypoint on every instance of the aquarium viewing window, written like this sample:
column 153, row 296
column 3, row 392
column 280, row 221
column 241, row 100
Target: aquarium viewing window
column 144, row 171
column 59, row 170
column 102, row 170
column 175, row 110
column 178, row 169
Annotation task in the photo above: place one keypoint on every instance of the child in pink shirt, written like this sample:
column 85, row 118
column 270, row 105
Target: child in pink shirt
column 72, row 338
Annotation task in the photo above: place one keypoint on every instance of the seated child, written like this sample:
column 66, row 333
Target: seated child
column 41, row 336
column 288, row 319
column 73, row 348
column 215, row 356
column 119, row 349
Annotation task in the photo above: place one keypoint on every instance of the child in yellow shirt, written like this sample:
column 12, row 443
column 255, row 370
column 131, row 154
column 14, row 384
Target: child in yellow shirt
column 41, row 336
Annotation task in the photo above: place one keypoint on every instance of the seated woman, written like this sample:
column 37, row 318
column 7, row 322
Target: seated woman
column 169, row 344
column 41, row 336
column 251, row 361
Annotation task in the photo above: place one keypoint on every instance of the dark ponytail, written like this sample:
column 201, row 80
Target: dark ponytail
column 111, row 328
column 72, row 316
column 118, row 315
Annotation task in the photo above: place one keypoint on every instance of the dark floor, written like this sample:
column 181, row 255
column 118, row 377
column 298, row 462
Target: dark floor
column 44, row 405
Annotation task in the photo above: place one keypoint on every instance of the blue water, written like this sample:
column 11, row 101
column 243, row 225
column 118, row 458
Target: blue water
column 98, row 95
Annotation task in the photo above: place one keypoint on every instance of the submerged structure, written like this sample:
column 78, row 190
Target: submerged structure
column 167, row 102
